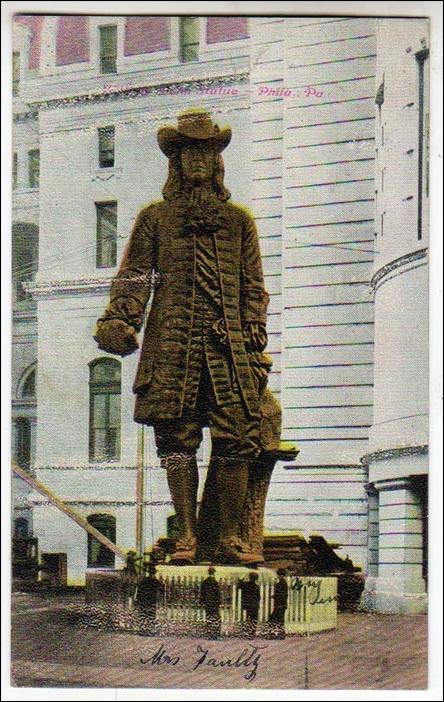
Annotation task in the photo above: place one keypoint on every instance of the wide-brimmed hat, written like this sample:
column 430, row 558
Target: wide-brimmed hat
column 192, row 127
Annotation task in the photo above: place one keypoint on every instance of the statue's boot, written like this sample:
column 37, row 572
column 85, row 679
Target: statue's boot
column 232, row 484
column 183, row 480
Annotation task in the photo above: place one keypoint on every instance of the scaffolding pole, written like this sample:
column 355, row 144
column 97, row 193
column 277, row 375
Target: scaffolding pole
column 140, row 488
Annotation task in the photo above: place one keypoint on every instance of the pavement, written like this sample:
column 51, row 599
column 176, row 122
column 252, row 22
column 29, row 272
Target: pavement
column 365, row 651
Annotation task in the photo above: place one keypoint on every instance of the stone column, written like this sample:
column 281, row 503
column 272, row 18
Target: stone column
column 399, row 585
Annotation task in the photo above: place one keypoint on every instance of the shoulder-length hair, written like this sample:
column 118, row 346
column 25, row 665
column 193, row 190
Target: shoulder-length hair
column 175, row 185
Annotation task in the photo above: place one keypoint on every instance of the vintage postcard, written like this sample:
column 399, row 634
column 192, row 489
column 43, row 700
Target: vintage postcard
column 220, row 395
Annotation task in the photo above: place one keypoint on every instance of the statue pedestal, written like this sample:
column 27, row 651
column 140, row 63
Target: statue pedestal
column 312, row 601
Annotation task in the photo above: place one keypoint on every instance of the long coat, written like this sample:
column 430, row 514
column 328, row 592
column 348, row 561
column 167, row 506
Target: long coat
column 163, row 243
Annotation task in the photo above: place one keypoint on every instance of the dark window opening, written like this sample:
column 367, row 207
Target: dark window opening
column 189, row 38
column 106, row 234
column 28, row 388
column 106, row 147
column 23, row 442
column 14, row 171
column 24, row 258
column 21, row 528
column 15, row 73
column 105, row 391
column 34, row 168
column 98, row 555
column 108, row 49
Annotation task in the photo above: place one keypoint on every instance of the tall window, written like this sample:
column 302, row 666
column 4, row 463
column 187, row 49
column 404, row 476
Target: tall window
column 15, row 73
column 106, row 147
column 98, row 555
column 106, row 234
column 24, row 258
column 189, row 38
column 108, row 49
column 104, row 389
column 34, row 168
column 14, row 170
column 28, row 387
column 23, row 442
column 21, row 528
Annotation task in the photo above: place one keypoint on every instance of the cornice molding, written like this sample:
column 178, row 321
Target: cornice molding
column 125, row 92
column 395, row 264
column 388, row 454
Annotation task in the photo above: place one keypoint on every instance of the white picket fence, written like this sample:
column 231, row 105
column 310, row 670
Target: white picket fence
column 312, row 604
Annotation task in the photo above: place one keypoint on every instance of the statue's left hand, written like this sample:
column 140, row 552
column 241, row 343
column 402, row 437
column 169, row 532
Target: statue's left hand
column 115, row 336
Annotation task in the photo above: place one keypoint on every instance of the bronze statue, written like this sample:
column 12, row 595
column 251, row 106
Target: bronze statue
column 202, row 361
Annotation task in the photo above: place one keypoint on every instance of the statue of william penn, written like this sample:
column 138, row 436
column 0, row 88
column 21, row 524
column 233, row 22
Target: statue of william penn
column 202, row 361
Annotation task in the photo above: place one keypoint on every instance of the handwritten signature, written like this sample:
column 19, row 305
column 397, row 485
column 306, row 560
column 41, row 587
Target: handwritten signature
column 314, row 586
column 249, row 658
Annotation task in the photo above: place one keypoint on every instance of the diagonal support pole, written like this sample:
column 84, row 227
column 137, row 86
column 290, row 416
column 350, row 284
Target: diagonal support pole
column 71, row 513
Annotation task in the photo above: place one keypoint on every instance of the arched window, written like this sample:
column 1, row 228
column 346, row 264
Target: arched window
column 104, row 426
column 21, row 528
column 23, row 442
column 98, row 555
column 28, row 385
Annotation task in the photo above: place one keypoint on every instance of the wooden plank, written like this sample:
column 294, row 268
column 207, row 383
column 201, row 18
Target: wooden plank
column 319, row 355
column 330, row 233
column 323, row 74
column 333, row 294
column 330, row 112
column 329, row 193
column 332, row 51
column 343, row 416
column 339, row 28
column 325, row 376
column 330, row 133
column 321, row 452
column 343, row 527
column 334, row 92
column 337, row 512
column 267, row 168
column 340, row 333
column 268, row 128
column 333, row 173
column 266, row 150
column 298, row 256
column 267, row 185
column 352, row 394
column 268, row 206
column 329, row 213
column 342, row 271
column 331, row 153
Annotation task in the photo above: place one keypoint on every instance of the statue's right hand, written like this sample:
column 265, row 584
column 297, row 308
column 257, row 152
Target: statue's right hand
column 115, row 336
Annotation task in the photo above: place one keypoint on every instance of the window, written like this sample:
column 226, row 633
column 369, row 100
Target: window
column 105, row 389
column 25, row 240
column 106, row 147
column 14, row 171
column 98, row 555
column 15, row 73
column 34, row 168
column 28, row 387
column 108, row 49
column 23, row 442
column 189, row 38
column 21, row 528
column 106, row 234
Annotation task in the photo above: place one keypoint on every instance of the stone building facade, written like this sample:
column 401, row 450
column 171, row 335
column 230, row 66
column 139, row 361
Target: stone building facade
column 299, row 94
